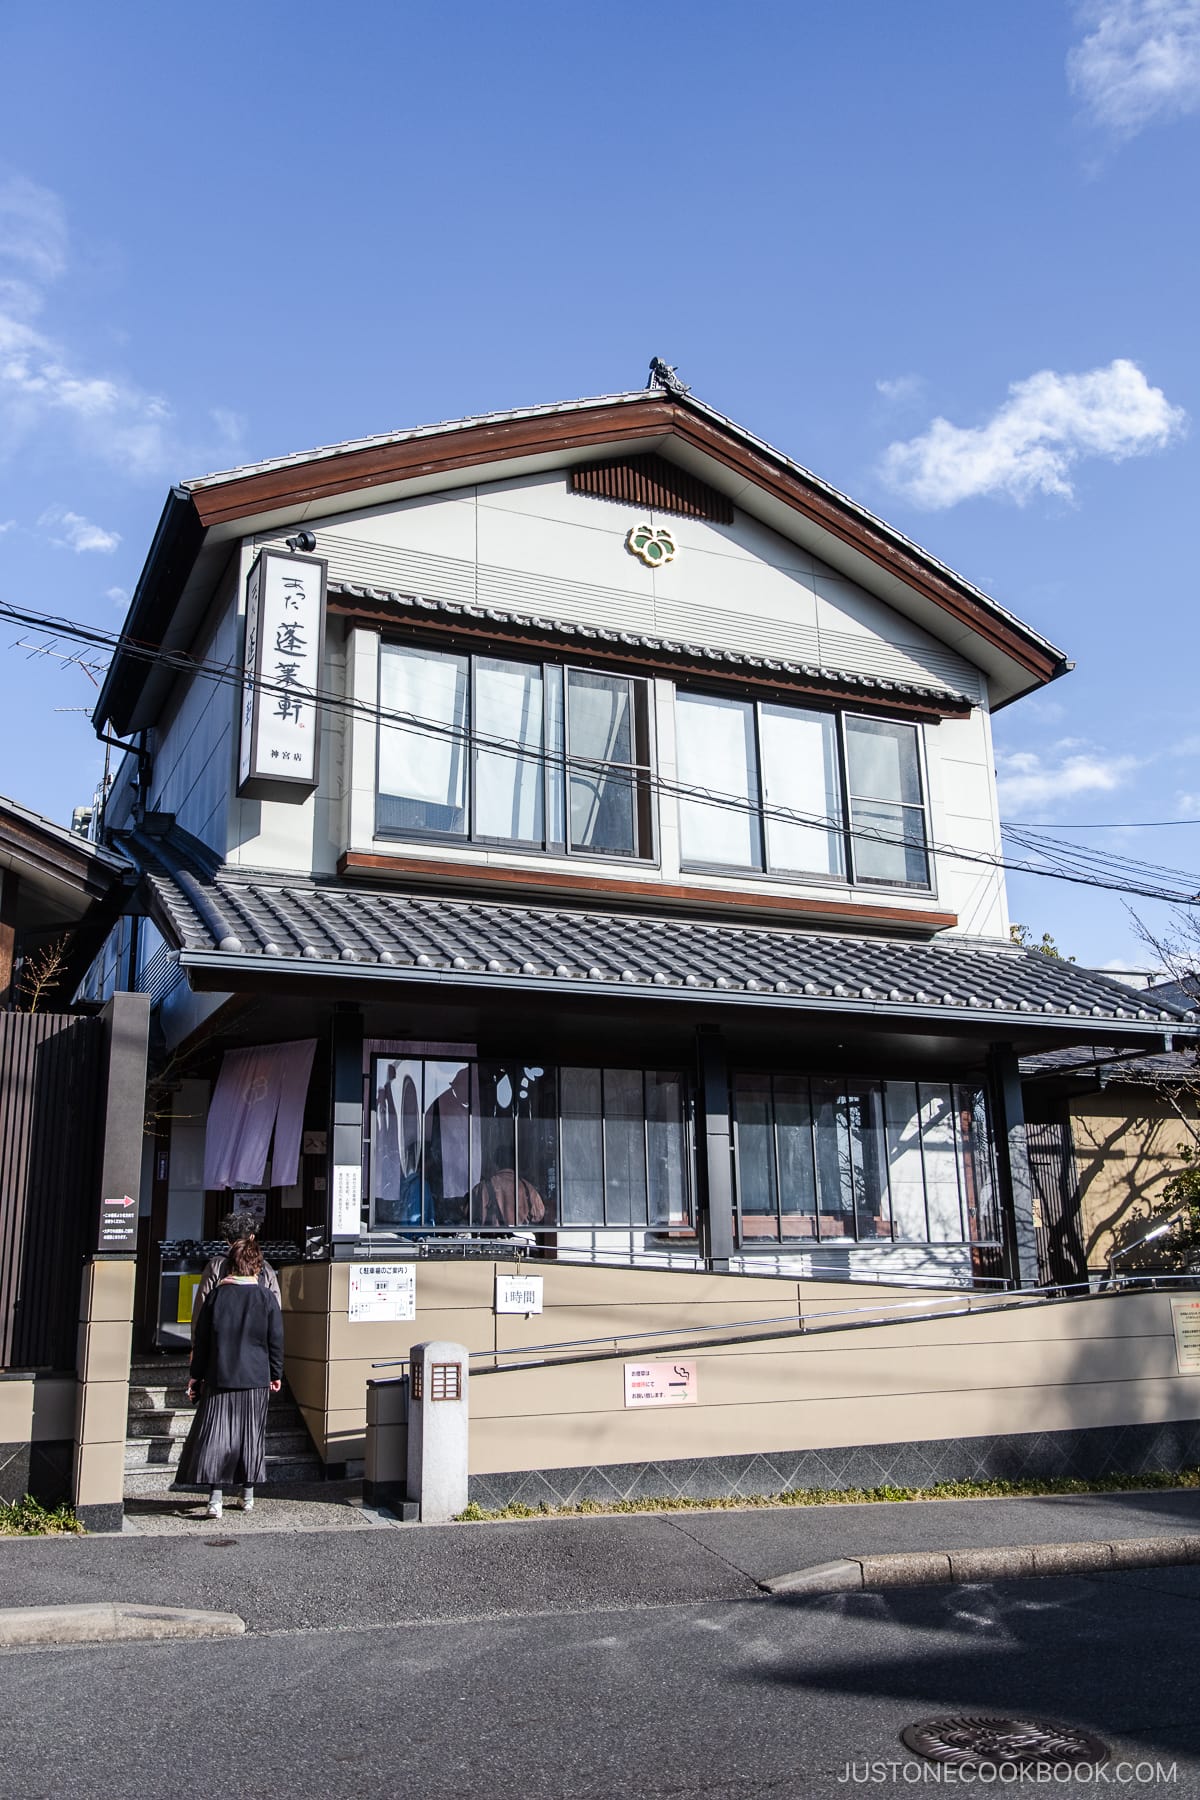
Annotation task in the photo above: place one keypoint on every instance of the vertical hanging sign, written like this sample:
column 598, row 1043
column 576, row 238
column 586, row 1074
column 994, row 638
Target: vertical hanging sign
column 285, row 635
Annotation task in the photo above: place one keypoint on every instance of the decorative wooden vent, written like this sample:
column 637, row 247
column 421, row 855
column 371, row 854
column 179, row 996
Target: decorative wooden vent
column 652, row 484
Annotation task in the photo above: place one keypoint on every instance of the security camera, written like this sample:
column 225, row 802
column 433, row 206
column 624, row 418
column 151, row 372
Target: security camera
column 303, row 540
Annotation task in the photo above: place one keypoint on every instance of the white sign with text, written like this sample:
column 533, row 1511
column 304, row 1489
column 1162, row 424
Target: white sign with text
column 347, row 1200
column 285, row 628
column 382, row 1292
column 519, row 1293
column 660, row 1384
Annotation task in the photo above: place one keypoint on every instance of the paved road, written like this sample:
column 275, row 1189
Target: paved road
column 574, row 1660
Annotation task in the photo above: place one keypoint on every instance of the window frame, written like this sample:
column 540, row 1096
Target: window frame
column 556, row 763
column 687, row 1226
column 849, row 878
column 754, row 1244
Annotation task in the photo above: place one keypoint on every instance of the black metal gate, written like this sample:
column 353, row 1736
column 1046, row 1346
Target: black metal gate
column 1061, row 1258
column 52, row 1100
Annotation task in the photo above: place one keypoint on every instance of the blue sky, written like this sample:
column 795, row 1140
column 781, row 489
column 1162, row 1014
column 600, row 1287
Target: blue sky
column 943, row 254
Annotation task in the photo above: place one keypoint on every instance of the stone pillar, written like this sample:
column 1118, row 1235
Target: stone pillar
column 1016, row 1179
column 438, row 1430
column 106, row 1298
column 715, row 1143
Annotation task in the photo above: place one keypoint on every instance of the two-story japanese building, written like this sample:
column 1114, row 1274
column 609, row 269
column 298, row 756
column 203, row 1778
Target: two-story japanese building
column 577, row 827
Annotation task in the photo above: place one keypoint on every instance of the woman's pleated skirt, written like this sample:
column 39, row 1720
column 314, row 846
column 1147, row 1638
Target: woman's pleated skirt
column 226, row 1446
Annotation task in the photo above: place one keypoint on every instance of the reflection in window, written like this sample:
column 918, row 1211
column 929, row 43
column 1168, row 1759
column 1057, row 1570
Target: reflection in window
column 608, row 763
column 423, row 770
column 525, row 753
column 517, row 1145
column 863, row 1161
column 716, row 752
column 887, row 812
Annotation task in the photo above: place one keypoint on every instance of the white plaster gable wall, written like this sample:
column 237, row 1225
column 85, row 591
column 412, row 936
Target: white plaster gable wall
column 532, row 546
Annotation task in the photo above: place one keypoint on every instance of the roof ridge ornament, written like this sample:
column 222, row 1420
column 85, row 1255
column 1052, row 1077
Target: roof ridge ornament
column 663, row 375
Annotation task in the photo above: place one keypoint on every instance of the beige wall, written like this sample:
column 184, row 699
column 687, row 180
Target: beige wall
column 329, row 1359
column 1126, row 1148
column 1056, row 1367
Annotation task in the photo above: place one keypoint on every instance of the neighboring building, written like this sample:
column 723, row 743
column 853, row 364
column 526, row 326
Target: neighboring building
column 1105, row 1130
column 634, row 886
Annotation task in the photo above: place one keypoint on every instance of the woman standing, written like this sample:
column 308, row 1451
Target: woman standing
column 237, row 1364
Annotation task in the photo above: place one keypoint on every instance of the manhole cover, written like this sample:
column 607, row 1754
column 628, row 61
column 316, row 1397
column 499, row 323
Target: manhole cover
column 220, row 1543
column 967, row 1742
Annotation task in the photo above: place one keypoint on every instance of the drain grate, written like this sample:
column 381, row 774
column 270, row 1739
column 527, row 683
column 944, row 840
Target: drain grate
column 967, row 1742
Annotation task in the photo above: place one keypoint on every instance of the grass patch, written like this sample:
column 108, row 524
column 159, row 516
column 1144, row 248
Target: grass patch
column 942, row 1490
column 29, row 1518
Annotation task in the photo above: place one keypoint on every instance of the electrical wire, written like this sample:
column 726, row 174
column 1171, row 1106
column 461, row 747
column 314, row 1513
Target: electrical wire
column 1072, row 864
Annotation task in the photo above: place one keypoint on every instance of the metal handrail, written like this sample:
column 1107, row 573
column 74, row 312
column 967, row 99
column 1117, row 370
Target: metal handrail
column 852, row 1320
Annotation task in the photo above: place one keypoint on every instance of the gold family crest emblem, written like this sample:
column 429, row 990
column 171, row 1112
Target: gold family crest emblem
column 653, row 547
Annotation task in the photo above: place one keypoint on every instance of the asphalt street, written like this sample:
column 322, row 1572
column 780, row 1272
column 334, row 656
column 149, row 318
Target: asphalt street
column 574, row 1659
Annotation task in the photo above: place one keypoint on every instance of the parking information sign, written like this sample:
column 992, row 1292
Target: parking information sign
column 381, row 1292
column 660, row 1384
column 519, row 1293
column 1185, row 1315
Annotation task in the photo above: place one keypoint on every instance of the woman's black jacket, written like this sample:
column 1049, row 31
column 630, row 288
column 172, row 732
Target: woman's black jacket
column 239, row 1338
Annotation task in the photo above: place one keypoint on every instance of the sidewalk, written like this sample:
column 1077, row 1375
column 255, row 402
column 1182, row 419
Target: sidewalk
column 280, row 1575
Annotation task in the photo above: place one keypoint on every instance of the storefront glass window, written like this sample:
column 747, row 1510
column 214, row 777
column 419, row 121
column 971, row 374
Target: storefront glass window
column 522, row 1146
column 423, row 765
column 863, row 1161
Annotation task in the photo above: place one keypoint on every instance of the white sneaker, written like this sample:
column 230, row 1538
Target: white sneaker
column 214, row 1510
column 248, row 1504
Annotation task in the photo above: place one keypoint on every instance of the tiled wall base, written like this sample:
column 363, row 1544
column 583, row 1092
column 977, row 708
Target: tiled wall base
column 14, row 1471
column 1086, row 1455
column 102, row 1517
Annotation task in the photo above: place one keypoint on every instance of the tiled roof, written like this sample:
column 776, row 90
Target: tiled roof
column 235, row 919
column 417, row 605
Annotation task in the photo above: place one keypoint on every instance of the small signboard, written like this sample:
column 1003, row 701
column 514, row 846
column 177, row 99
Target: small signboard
column 382, row 1292
column 285, row 629
column 118, row 1223
column 187, row 1298
column 660, row 1384
column 519, row 1293
column 1185, row 1316
column 347, row 1199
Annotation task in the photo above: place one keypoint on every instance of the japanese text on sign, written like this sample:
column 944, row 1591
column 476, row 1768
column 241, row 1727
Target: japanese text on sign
column 381, row 1292
column 660, row 1384
column 1185, row 1316
column 347, row 1199
column 285, row 601
column 519, row 1293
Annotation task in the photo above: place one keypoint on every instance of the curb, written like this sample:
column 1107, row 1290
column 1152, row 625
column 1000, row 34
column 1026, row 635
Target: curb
column 109, row 1623
column 941, row 1568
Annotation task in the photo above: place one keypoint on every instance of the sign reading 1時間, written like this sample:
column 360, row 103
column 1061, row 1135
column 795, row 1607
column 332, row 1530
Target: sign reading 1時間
column 285, row 633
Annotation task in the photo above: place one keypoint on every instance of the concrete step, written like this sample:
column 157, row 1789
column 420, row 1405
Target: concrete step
column 158, row 1478
column 148, row 1452
column 176, row 1421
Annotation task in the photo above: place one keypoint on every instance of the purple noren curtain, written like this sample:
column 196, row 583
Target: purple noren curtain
column 258, row 1091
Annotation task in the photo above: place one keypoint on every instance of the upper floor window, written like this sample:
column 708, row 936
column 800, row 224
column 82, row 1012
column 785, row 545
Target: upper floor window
column 794, row 791
column 509, row 752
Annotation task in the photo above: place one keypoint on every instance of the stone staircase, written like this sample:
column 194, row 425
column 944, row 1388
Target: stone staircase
column 160, row 1417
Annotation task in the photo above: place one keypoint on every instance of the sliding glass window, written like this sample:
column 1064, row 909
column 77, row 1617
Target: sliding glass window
column 524, row 753
column 511, row 1144
column 761, row 787
column 844, row 1161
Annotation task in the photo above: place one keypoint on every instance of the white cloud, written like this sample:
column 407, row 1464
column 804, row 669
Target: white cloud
column 1032, row 443
column 117, row 595
column 46, row 387
column 6, row 525
column 76, row 533
column 1188, row 805
column 1139, row 62
column 1030, row 782
column 901, row 390
column 33, row 228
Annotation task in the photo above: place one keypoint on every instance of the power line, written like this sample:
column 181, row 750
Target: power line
column 1075, row 865
column 1127, row 825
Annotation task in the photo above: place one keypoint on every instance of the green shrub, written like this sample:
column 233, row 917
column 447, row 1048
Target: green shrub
column 29, row 1518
